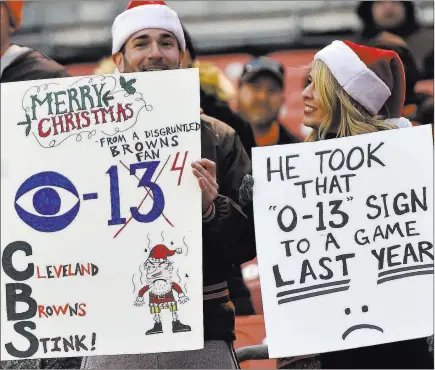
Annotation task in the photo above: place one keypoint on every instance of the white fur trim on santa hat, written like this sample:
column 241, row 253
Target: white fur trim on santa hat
column 142, row 17
column 11, row 54
column 401, row 122
column 359, row 81
column 158, row 260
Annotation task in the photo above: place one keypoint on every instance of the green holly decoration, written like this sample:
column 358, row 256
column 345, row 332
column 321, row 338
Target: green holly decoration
column 27, row 122
column 106, row 98
column 127, row 85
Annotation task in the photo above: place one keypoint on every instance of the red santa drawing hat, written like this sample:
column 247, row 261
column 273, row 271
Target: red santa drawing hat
column 141, row 15
column 375, row 78
column 160, row 253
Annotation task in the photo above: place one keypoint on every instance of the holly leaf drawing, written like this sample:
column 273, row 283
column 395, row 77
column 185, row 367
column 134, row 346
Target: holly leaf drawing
column 26, row 122
column 128, row 85
column 107, row 97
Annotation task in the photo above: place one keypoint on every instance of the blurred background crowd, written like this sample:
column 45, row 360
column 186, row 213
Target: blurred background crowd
column 226, row 34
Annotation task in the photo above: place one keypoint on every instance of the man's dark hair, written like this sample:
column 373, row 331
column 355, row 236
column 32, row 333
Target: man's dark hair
column 122, row 50
column 189, row 43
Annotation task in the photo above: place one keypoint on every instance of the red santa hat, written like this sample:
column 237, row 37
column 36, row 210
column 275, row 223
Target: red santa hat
column 141, row 15
column 375, row 78
column 160, row 253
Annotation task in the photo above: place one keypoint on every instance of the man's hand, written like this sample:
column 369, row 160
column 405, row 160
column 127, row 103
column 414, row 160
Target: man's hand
column 205, row 171
column 182, row 298
column 139, row 302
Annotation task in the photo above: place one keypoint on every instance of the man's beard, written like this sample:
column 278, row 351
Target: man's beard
column 262, row 122
column 265, row 124
column 160, row 286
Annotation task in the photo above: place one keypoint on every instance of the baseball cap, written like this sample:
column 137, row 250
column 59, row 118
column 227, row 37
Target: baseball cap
column 262, row 65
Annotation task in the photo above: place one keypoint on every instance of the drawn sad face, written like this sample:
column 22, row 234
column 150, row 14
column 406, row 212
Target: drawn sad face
column 158, row 271
column 353, row 328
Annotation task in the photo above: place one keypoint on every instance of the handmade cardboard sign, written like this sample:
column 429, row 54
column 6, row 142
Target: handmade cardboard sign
column 344, row 232
column 101, row 216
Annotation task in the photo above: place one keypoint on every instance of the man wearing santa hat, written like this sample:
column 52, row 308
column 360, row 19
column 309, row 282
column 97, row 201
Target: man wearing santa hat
column 160, row 287
column 148, row 36
column 20, row 63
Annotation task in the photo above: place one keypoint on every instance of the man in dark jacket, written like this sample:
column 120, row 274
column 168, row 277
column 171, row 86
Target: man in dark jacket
column 20, row 63
column 398, row 17
column 259, row 99
column 149, row 38
column 219, row 109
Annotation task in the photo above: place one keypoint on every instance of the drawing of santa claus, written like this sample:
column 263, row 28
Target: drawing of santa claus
column 160, row 287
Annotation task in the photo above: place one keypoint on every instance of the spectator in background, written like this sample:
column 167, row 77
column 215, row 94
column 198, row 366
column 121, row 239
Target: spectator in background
column 259, row 100
column 21, row 63
column 398, row 17
column 418, row 105
column 212, row 95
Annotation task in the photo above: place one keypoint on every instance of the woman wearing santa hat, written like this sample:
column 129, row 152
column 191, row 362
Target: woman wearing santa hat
column 354, row 89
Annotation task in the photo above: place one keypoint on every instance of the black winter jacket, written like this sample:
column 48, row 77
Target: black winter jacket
column 229, row 239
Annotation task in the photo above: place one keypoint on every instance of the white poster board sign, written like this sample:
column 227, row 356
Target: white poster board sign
column 344, row 232
column 101, row 216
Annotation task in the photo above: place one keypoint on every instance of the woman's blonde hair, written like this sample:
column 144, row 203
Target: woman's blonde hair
column 343, row 114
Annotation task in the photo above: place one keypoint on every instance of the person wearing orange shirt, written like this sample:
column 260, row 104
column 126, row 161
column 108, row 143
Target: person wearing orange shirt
column 260, row 98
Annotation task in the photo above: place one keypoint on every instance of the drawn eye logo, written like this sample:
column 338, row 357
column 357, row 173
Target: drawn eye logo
column 47, row 202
